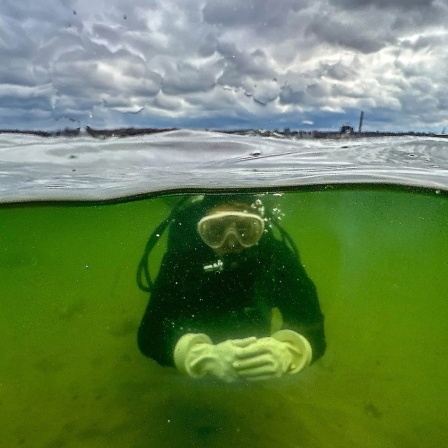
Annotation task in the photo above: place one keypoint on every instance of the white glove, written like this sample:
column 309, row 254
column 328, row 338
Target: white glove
column 284, row 352
column 196, row 356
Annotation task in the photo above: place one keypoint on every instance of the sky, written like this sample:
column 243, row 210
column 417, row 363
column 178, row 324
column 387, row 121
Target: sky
column 224, row 64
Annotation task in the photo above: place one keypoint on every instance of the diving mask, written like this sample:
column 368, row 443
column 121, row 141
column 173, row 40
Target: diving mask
column 246, row 227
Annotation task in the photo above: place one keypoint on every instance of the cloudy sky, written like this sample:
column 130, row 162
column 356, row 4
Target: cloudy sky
column 303, row 64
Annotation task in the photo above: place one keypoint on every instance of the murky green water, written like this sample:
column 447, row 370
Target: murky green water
column 71, row 374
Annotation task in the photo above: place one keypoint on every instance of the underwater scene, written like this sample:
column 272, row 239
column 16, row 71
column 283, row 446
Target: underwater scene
column 75, row 372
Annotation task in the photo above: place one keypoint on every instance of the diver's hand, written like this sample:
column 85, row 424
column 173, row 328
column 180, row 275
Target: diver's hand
column 272, row 357
column 197, row 356
column 266, row 358
column 218, row 360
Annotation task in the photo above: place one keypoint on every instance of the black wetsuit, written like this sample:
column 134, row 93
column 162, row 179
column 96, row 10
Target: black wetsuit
column 230, row 300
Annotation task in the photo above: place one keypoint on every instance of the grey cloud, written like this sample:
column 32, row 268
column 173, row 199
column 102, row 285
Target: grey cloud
column 409, row 70
column 189, row 61
column 266, row 22
column 26, row 98
column 421, row 19
column 422, row 85
column 428, row 42
column 442, row 98
column 111, row 36
column 265, row 92
column 242, row 66
column 404, row 4
column 307, row 93
column 19, row 72
column 111, row 80
column 338, row 71
column 394, row 15
column 253, row 13
column 208, row 46
column 167, row 102
column 418, row 105
column 185, row 77
column 290, row 96
column 348, row 33
column 14, row 42
column 39, row 16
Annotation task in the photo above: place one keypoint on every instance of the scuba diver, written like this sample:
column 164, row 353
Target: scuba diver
column 231, row 299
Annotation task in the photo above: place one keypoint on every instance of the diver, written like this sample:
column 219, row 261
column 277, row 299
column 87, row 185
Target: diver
column 231, row 299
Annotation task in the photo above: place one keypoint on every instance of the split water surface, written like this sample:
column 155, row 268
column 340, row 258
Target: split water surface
column 71, row 374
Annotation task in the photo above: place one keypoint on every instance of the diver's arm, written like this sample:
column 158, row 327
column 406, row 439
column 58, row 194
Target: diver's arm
column 160, row 327
column 296, row 298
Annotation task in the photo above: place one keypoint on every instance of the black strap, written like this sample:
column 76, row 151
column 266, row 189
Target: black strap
column 144, row 280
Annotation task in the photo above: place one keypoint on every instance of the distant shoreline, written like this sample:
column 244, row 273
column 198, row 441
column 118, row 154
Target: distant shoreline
column 128, row 132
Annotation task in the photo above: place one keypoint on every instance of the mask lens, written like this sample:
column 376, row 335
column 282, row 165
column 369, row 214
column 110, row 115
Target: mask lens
column 249, row 230
column 246, row 227
column 213, row 232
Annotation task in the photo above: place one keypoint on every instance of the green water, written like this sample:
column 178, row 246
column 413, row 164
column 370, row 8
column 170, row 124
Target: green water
column 71, row 374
